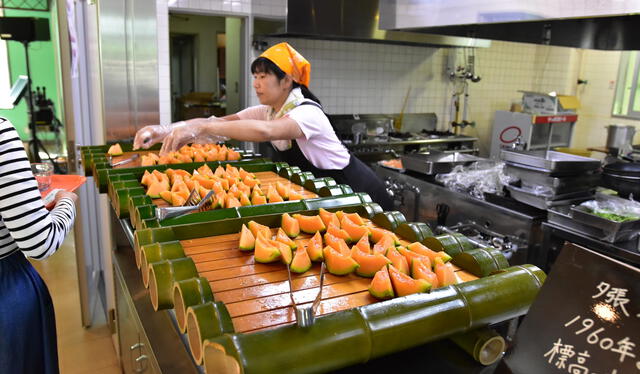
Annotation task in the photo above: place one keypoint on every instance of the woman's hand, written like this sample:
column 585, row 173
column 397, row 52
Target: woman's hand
column 150, row 135
column 60, row 194
column 196, row 132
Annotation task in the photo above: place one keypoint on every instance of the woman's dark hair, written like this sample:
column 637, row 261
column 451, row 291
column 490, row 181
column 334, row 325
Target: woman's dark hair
column 264, row 65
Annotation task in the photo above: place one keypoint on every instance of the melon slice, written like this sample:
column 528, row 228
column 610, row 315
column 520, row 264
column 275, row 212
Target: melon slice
column 338, row 232
column 293, row 195
column 336, row 243
column 398, row 260
column 363, row 245
column 355, row 218
column 205, row 170
column 265, row 251
column 405, row 285
column 250, row 181
column 338, row 263
column 411, row 255
column 301, row 262
column 286, row 254
column 258, row 199
column 282, row 190
column 244, row 200
column 148, row 178
column 282, row 237
column 369, row 265
column 199, row 157
column 115, row 150
column 257, row 191
column 310, row 224
column 233, row 155
column 273, row 196
column 423, row 250
column 232, row 170
column 232, row 202
column 355, row 231
column 381, row 287
column 247, row 240
column 378, row 233
column 166, row 196
column 445, row 273
column 329, row 218
column 290, row 225
column 422, row 270
column 314, row 248
column 256, row 228
column 383, row 245
column 154, row 156
column 147, row 161
column 177, row 199
column 156, row 187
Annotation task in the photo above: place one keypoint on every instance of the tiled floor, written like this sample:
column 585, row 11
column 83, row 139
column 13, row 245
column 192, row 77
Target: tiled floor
column 80, row 350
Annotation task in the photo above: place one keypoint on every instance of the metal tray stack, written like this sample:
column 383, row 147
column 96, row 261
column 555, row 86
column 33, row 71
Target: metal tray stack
column 436, row 162
column 579, row 219
column 551, row 178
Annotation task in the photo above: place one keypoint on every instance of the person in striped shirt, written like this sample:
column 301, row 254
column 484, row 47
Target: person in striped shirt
column 27, row 229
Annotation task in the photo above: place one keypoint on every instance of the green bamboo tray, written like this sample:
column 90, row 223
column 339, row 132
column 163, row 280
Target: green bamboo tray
column 164, row 254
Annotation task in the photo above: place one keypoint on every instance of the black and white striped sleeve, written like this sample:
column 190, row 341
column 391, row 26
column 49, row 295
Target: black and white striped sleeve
column 35, row 230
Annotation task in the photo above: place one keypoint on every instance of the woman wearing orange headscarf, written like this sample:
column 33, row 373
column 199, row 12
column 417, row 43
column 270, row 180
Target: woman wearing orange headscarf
column 290, row 117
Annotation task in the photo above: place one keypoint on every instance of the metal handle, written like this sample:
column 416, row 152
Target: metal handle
column 136, row 346
column 140, row 360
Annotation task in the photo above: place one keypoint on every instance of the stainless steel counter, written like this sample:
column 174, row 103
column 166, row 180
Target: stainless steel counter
column 392, row 142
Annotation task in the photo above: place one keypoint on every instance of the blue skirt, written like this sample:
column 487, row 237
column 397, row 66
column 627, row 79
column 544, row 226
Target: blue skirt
column 27, row 322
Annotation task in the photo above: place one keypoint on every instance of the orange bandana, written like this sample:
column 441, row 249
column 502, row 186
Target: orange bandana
column 290, row 61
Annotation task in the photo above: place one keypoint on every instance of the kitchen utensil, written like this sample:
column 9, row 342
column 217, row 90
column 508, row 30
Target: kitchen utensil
column 305, row 314
column 620, row 138
column 133, row 157
column 163, row 213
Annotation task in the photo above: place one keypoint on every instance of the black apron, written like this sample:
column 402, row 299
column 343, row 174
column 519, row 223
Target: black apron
column 356, row 174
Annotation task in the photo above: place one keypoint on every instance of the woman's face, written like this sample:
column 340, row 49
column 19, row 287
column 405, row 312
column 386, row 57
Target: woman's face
column 269, row 89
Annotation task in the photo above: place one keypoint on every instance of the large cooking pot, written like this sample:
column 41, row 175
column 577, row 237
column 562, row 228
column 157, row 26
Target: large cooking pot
column 620, row 138
column 623, row 177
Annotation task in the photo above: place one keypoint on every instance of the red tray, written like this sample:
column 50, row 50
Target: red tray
column 66, row 182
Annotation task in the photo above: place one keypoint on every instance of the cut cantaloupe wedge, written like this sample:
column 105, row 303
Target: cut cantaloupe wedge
column 314, row 248
column 256, row 228
column 115, row 150
column 354, row 230
column 310, row 224
column 398, row 260
column 282, row 190
column 421, row 269
column 445, row 273
column 265, row 251
column 328, row 218
column 423, row 250
column 338, row 263
column 301, row 262
column 338, row 233
column 381, row 286
column 247, row 240
column 293, row 195
column 177, row 199
column 383, row 245
column 282, row 237
column 147, row 161
column 369, row 264
column 290, row 225
column 405, row 285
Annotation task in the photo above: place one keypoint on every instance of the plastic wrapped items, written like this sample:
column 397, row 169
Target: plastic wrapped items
column 614, row 209
column 477, row 179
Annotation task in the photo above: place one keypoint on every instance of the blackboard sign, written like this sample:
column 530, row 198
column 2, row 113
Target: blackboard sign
column 586, row 319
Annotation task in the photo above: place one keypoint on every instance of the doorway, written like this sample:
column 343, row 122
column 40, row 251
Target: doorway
column 205, row 65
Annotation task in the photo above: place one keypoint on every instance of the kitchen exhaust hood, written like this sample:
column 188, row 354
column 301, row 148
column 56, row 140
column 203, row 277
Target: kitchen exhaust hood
column 590, row 24
column 357, row 20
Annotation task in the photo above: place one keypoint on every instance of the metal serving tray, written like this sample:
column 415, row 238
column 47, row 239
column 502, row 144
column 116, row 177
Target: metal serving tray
column 436, row 162
column 555, row 162
column 530, row 176
column 545, row 202
column 579, row 220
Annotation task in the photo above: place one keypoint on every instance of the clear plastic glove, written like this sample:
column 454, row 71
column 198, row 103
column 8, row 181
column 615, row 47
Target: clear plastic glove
column 150, row 135
column 192, row 134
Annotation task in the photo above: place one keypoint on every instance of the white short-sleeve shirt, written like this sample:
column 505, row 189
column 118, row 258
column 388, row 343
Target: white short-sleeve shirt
column 320, row 145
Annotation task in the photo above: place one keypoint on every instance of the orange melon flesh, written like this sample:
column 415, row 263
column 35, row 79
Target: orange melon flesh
column 314, row 248
column 355, row 218
column 156, row 187
column 398, row 261
column 115, row 150
column 336, row 243
column 422, row 270
column 286, row 254
column 355, row 231
column 244, row 200
column 410, row 256
column 310, row 224
column 147, row 161
column 250, row 181
column 290, row 225
column 166, row 196
column 378, row 233
column 177, row 199
column 282, row 237
column 338, row 232
column 247, row 240
column 338, row 263
column 255, row 228
column 301, row 262
column 257, row 191
column 423, row 250
column 369, row 265
column 293, row 195
column 154, row 156
column 265, row 251
column 381, row 287
column 282, row 190
column 232, row 202
column 258, row 199
column 445, row 274
column 329, row 218
column 384, row 244
column 148, row 178
column 363, row 244
column 405, row 285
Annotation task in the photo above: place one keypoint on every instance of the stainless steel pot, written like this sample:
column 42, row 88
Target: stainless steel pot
column 620, row 138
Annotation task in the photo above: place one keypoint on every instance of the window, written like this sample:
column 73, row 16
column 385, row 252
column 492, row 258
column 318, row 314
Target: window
column 626, row 102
